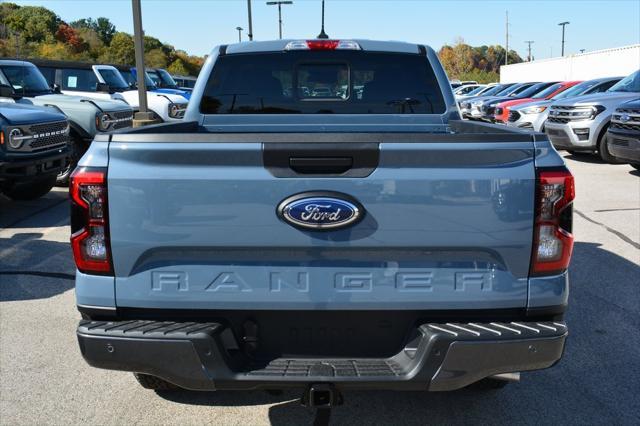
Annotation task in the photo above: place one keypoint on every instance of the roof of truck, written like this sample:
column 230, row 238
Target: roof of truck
column 279, row 45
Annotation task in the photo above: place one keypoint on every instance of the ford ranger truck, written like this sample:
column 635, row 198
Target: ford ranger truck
column 293, row 232
column 33, row 147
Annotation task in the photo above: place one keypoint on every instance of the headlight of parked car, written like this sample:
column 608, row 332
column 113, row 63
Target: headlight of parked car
column 534, row 110
column 16, row 138
column 177, row 110
column 103, row 121
column 587, row 113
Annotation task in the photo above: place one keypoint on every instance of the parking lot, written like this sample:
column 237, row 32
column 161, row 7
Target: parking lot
column 45, row 380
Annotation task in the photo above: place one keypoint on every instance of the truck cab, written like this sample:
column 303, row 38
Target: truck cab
column 87, row 116
column 322, row 220
column 33, row 147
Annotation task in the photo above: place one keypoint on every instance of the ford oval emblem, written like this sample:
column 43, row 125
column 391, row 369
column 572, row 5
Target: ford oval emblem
column 320, row 210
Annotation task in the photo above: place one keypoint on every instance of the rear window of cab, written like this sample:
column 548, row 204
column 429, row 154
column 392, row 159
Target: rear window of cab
column 322, row 82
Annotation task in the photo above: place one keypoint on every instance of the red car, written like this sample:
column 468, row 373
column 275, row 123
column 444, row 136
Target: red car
column 502, row 109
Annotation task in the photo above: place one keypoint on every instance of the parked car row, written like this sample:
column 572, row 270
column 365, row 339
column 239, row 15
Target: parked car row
column 596, row 116
column 51, row 110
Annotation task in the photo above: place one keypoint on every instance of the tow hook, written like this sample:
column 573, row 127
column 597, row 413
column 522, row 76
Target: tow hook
column 322, row 397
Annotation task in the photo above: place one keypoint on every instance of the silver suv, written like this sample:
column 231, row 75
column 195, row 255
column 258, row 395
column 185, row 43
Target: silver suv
column 581, row 123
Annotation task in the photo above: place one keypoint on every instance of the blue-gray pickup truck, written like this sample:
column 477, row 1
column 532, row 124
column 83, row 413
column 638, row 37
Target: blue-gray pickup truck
column 322, row 220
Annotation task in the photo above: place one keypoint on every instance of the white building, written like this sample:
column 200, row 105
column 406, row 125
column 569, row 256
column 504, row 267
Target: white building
column 619, row 61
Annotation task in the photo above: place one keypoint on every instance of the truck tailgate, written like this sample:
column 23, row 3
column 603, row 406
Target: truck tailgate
column 447, row 225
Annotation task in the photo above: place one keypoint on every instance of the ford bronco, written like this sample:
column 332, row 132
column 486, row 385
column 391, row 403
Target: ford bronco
column 323, row 220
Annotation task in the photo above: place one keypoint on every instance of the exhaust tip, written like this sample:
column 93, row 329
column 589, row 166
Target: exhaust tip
column 507, row 377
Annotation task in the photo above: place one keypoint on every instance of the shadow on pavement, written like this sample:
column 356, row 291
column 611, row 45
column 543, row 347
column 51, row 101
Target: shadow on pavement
column 34, row 269
column 635, row 172
column 586, row 157
column 590, row 385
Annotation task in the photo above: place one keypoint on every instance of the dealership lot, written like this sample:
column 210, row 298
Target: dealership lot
column 596, row 381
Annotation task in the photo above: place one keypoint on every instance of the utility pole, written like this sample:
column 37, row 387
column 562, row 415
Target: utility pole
column 506, row 53
column 279, row 3
column 250, row 33
column 582, row 50
column 322, row 33
column 239, row 34
column 530, row 42
column 563, row 24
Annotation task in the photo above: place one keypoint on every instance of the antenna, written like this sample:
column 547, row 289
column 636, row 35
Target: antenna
column 322, row 33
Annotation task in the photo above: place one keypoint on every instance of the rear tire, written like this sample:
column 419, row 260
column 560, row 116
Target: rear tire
column 31, row 190
column 154, row 383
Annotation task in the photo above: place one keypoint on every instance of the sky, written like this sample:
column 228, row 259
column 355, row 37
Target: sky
column 196, row 26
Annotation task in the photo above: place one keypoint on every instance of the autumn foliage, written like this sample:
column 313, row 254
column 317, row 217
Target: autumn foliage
column 37, row 32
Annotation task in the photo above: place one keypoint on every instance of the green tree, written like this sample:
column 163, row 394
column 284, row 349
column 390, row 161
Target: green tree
column 121, row 50
column 155, row 59
column 102, row 26
column 151, row 43
column 35, row 23
column 178, row 67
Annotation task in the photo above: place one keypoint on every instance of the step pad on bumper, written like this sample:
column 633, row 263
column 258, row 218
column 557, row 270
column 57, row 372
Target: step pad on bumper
column 442, row 356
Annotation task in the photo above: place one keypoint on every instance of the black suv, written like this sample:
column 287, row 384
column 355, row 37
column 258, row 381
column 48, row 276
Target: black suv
column 33, row 148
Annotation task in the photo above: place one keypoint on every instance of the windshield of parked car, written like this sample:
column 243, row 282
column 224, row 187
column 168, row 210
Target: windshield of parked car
column 628, row 84
column 531, row 90
column 26, row 80
column 166, row 78
column 476, row 91
column 495, row 90
column 132, row 82
column 326, row 82
column 544, row 94
column 576, row 90
column 114, row 79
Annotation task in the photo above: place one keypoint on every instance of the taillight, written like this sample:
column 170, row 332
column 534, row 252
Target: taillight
column 322, row 44
column 90, row 221
column 553, row 240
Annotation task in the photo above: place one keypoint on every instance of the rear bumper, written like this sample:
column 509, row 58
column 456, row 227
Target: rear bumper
column 439, row 357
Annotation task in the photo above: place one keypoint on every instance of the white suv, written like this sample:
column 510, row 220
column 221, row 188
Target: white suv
column 581, row 123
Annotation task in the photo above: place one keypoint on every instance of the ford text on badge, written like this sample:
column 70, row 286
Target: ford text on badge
column 320, row 210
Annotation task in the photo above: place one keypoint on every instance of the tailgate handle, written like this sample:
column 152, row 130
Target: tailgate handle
column 320, row 165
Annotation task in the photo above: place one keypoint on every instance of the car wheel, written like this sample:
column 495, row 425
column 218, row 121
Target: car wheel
column 154, row 383
column 76, row 151
column 31, row 190
column 603, row 150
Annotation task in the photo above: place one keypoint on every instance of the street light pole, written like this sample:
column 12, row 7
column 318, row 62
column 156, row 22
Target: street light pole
column 143, row 116
column 279, row 4
column 250, row 33
column 239, row 34
column 563, row 24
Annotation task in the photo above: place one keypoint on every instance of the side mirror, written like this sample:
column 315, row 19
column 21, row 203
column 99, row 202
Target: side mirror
column 103, row 87
column 56, row 88
column 6, row 91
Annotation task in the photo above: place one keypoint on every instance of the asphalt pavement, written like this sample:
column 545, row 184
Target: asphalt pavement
column 44, row 380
